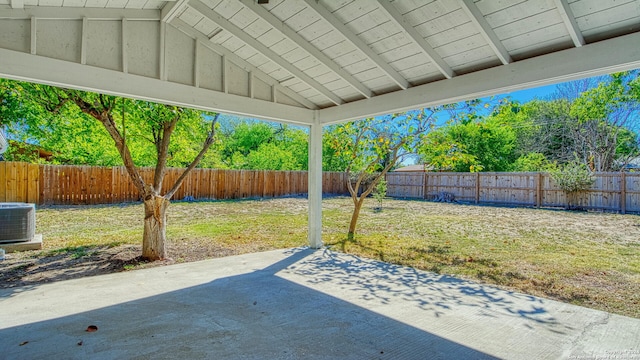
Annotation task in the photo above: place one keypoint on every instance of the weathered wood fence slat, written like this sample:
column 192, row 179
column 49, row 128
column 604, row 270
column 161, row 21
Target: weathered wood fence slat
column 612, row 191
column 76, row 185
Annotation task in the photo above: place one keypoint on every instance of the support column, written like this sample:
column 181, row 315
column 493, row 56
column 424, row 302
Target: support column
column 315, row 183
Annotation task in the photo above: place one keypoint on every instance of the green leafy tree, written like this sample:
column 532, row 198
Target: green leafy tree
column 471, row 145
column 264, row 146
column 373, row 146
column 533, row 162
column 157, row 125
column 606, row 114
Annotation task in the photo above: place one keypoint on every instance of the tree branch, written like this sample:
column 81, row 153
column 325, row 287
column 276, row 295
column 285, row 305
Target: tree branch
column 207, row 143
column 163, row 149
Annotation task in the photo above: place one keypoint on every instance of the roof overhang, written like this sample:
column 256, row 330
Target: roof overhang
column 314, row 62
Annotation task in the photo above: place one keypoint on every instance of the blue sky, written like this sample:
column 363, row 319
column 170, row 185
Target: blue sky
column 530, row 94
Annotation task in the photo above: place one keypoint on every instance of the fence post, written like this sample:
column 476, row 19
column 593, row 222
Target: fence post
column 538, row 190
column 623, row 192
column 477, row 187
column 426, row 181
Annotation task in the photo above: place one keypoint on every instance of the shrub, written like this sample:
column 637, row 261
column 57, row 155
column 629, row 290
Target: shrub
column 573, row 178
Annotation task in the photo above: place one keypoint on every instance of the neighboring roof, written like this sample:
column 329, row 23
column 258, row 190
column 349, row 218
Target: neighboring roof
column 348, row 59
column 414, row 168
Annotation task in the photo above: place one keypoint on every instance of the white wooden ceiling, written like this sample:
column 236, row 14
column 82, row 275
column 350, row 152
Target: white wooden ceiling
column 345, row 58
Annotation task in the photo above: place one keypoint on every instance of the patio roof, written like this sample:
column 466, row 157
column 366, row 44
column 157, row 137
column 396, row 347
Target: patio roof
column 346, row 58
column 314, row 62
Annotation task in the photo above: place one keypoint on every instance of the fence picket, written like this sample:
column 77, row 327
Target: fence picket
column 66, row 184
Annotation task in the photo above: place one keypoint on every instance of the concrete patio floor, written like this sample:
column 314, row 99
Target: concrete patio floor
column 299, row 304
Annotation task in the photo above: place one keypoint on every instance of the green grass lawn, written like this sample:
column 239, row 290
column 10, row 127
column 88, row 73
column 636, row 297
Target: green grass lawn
column 589, row 259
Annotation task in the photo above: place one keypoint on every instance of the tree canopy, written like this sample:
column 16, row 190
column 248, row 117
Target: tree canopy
column 593, row 122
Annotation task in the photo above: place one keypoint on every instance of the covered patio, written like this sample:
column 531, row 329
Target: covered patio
column 299, row 304
column 314, row 63
column 310, row 63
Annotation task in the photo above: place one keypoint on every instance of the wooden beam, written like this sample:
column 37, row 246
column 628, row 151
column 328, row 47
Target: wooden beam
column 17, row 4
column 599, row 58
column 78, row 13
column 171, row 11
column 223, row 73
column 162, row 51
column 25, row 67
column 289, row 33
column 485, row 30
column 415, row 36
column 226, row 25
column 196, row 63
column 125, row 51
column 358, row 43
column 570, row 22
column 83, row 45
column 34, row 32
column 238, row 61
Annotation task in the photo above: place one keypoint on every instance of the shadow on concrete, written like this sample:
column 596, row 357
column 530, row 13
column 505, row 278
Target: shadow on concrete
column 383, row 283
column 257, row 315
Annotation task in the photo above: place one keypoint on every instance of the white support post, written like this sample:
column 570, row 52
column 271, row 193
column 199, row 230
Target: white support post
column 315, row 183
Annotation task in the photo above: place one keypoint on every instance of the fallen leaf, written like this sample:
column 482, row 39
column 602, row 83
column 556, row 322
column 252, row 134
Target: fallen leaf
column 92, row 328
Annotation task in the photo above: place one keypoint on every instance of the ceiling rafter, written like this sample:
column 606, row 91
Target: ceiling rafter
column 25, row 67
column 415, row 36
column 289, row 33
column 485, row 30
column 226, row 25
column 358, row 43
column 574, row 63
column 17, row 4
column 570, row 22
column 170, row 11
column 68, row 13
column 221, row 50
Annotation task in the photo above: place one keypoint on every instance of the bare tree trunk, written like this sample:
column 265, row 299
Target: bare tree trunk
column 155, row 225
column 354, row 218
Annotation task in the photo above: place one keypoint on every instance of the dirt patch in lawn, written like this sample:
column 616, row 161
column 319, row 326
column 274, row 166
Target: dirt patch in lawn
column 39, row 267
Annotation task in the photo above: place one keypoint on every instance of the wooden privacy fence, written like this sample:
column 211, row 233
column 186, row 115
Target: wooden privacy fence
column 69, row 184
column 617, row 191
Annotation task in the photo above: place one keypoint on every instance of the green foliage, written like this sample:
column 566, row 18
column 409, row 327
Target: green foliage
column 484, row 145
column 573, row 177
column 264, row 146
column 380, row 192
column 533, row 162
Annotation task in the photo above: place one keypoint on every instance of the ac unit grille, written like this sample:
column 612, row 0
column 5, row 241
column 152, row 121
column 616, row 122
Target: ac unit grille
column 17, row 222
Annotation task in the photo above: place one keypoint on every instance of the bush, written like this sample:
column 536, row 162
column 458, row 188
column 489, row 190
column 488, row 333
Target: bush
column 573, row 177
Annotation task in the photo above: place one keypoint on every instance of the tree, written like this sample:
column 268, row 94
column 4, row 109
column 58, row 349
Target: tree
column 160, row 122
column 263, row 146
column 75, row 138
column 484, row 144
column 604, row 113
column 373, row 146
